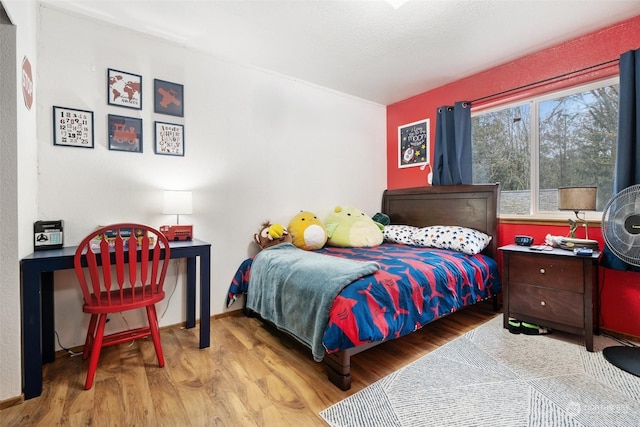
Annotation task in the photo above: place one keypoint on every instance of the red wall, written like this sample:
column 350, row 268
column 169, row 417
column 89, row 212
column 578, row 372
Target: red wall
column 620, row 291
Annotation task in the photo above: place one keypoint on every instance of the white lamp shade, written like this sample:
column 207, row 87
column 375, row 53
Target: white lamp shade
column 177, row 203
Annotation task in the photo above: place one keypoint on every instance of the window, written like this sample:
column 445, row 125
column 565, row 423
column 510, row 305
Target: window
column 556, row 140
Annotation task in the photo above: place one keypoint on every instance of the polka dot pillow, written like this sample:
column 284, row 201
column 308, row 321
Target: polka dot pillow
column 461, row 239
column 399, row 234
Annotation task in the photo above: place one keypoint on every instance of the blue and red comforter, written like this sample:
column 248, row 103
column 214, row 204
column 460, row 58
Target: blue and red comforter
column 413, row 287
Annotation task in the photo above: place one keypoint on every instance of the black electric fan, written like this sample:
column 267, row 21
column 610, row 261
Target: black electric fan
column 621, row 232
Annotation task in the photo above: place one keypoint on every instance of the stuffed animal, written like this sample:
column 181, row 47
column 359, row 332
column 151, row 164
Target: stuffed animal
column 382, row 219
column 271, row 234
column 307, row 231
column 349, row 227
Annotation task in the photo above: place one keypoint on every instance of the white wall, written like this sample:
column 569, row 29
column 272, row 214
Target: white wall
column 258, row 146
column 18, row 195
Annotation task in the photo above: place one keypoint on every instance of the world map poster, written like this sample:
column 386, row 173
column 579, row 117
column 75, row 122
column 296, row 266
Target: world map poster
column 124, row 89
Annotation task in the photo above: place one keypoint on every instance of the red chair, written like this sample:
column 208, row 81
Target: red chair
column 125, row 269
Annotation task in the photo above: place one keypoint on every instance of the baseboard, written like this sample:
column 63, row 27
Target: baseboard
column 621, row 335
column 229, row 313
column 78, row 349
column 8, row 403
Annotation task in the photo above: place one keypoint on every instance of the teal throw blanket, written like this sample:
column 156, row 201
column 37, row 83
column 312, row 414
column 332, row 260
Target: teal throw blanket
column 295, row 289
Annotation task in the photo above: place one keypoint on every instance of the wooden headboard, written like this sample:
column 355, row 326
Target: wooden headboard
column 473, row 206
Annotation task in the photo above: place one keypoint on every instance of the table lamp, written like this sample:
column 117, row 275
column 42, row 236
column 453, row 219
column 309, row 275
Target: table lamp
column 577, row 199
column 177, row 203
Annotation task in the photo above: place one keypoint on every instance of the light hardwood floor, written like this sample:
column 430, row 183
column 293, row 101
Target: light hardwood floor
column 250, row 376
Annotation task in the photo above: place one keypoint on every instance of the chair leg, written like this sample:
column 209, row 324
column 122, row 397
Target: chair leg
column 155, row 333
column 91, row 333
column 95, row 351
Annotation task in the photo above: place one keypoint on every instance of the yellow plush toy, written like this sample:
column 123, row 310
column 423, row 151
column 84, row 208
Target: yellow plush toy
column 307, row 231
column 351, row 228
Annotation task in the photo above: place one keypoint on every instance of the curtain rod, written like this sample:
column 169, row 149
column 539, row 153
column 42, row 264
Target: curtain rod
column 545, row 80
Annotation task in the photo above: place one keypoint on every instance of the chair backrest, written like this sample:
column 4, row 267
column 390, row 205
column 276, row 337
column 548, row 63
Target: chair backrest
column 137, row 253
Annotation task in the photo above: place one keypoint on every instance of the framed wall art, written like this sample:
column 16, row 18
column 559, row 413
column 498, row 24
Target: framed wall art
column 169, row 139
column 414, row 144
column 125, row 133
column 124, row 89
column 73, row 128
column 168, row 98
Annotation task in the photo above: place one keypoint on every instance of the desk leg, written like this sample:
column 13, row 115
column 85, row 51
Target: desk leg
column 31, row 333
column 191, row 292
column 205, row 299
column 48, row 318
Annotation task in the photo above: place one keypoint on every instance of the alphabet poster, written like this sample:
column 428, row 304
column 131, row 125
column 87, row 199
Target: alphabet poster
column 169, row 139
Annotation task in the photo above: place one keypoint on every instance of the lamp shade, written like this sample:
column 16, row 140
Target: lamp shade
column 577, row 198
column 177, row 202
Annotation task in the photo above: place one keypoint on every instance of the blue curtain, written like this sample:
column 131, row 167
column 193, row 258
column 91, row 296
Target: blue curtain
column 627, row 170
column 452, row 162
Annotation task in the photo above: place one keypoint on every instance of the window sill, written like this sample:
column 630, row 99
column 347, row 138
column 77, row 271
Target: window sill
column 541, row 220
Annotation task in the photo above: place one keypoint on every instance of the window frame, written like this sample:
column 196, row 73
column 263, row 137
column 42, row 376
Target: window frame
column 534, row 102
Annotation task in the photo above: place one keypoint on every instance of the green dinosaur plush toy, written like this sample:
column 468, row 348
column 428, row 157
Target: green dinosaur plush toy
column 349, row 227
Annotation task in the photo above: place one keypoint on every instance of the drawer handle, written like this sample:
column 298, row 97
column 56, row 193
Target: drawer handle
column 542, row 271
column 542, row 303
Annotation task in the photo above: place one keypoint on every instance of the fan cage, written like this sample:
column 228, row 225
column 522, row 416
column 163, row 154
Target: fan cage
column 623, row 244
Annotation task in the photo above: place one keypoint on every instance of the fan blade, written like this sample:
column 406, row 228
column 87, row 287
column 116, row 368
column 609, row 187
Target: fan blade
column 621, row 225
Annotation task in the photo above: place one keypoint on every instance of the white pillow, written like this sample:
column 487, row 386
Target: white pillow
column 461, row 239
column 399, row 233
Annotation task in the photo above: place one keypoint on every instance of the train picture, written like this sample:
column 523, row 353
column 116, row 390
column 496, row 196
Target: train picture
column 125, row 133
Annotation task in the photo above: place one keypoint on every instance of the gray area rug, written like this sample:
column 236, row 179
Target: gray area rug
column 490, row 377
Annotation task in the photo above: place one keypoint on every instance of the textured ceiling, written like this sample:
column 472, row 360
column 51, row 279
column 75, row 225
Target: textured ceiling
column 367, row 49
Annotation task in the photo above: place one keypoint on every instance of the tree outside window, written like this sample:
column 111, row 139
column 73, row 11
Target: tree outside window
column 557, row 140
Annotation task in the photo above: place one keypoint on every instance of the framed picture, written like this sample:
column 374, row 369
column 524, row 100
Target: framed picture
column 73, row 128
column 125, row 133
column 168, row 98
column 169, row 139
column 124, row 89
column 414, row 144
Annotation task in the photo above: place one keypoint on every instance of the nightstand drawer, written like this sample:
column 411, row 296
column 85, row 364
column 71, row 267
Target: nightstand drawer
column 545, row 270
column 547, row 304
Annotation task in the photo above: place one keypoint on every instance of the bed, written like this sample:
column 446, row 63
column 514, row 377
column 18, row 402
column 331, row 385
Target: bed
column 384, row 292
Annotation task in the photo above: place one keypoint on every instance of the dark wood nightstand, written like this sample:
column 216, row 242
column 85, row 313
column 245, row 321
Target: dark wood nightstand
column 556, row 289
